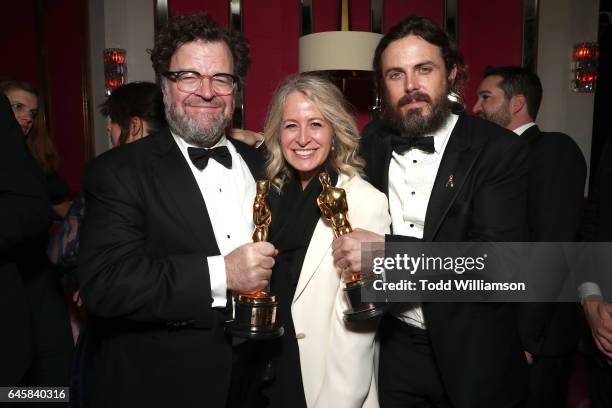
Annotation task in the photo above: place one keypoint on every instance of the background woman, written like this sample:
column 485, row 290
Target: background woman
column 52, row 345
column 135, row 110
column 320, row 361
column 28, row 109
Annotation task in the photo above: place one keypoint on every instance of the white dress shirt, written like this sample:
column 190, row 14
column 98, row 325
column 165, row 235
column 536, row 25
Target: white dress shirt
column 521, row 129
column 411, row 179
column 228, row 195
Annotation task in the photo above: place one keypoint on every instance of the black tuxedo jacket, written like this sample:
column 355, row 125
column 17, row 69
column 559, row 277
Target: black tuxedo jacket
column 557, row 173
column 597, row 225
column 25, row 215
column 597, row 222
column 144, row 278
column 476, row 345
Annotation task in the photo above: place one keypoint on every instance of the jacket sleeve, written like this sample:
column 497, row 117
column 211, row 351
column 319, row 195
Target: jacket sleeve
column 350, row 371
column 119, row 275
column 555, row 198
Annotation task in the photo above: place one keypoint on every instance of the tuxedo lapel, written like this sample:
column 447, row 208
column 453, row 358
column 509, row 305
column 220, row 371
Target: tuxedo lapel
column 387, row 150
column 319, row 247
column 376, row 150
column 457, row 162
column 173, row 173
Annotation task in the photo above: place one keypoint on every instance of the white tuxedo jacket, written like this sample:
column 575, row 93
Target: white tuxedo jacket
column 338, row 361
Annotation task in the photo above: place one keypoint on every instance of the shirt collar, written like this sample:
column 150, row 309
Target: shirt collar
column 521, row 129
column 183, row 145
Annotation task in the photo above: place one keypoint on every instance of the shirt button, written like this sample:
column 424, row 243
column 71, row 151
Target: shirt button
column 411, row 225
column 300, row 336
column 412, row 193
column 228, row 236
column 414, row 161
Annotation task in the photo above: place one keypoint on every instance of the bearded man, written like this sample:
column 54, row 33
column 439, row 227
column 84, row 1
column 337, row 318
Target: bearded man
column 167, row 230
column 510, row 96
column 449, row 178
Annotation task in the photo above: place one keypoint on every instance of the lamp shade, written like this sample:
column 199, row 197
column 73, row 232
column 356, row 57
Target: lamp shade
column 338, row 50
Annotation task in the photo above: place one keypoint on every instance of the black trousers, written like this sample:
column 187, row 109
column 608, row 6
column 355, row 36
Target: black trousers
column 548, row 381
column 601, row 382
column 53, row 343
column 408, row 375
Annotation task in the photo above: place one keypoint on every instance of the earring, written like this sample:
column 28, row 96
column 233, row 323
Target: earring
column 457, row 102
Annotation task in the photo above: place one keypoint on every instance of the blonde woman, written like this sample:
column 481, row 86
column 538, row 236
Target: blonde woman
column 321, row 361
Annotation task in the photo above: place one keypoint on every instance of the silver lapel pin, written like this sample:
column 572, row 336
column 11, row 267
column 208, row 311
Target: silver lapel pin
column 449, row 183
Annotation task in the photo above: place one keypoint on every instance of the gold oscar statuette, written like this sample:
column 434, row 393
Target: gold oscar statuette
column 255, row 312
column 334, row 207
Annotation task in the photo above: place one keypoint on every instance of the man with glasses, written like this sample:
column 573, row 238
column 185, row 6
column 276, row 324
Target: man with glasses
column 167, row 233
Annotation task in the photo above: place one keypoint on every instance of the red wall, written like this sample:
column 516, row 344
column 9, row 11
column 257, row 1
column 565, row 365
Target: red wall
column 217, row 9
column 396, row 10
column 489, row 33
column 273, row 30
column 274, row 53
column 61, row 28
column 18, row 45
column 65, row 79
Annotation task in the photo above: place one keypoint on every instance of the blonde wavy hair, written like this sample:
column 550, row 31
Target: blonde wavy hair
column 335, row 109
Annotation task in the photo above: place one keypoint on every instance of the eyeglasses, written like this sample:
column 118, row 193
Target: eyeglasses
column 191, row 81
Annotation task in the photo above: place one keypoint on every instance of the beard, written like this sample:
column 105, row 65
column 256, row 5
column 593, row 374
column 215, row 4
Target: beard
column 501, row 116
column 414, row 123
column 190, row 129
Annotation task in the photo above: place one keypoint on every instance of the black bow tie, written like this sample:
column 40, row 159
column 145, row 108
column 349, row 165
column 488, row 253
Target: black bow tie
column 402, row 144
column 199, row 156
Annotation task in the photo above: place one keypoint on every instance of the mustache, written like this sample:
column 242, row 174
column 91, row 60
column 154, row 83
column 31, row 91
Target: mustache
column 198, row 101
column 413, row 97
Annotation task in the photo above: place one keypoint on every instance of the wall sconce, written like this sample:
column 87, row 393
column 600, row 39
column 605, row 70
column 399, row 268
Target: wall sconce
column 115, row 69
column 584, row 67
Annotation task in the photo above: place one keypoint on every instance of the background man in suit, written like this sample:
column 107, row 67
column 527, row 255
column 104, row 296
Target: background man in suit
column 167, row 229
column 597, row 227
column 25, row 215
column 468, row 183
column 510, row 96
